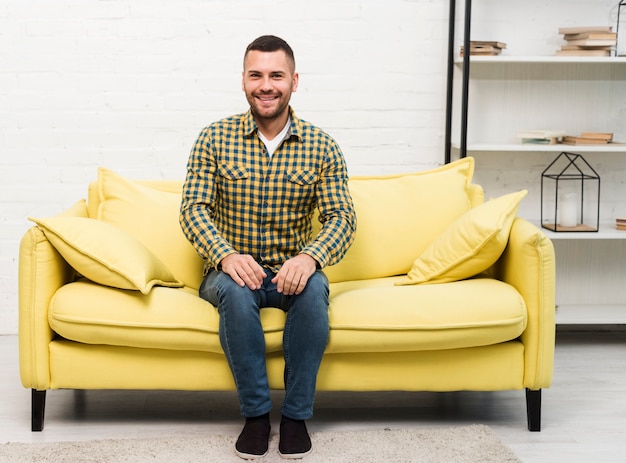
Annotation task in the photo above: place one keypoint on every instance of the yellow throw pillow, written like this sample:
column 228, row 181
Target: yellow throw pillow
column 150, row 215
column 472, row 244
column 105, row 254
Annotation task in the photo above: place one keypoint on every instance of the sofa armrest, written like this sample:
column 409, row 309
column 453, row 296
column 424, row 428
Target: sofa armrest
column 528, row 264
column 42, row 271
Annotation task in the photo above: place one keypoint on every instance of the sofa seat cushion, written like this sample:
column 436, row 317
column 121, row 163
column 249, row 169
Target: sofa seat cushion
column 365, row 316
column 377, row 316
column 166, row 318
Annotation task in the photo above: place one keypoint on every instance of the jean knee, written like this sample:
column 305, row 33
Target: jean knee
column 317, row 289
column 219, row 288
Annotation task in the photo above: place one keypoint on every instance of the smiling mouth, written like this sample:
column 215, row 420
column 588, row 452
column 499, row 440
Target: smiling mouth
column 266, row 99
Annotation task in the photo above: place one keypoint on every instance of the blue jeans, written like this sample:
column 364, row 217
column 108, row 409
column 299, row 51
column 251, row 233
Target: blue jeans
column 241, row 335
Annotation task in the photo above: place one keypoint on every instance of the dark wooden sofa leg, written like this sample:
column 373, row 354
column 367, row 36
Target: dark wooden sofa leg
column 38, row 409
column 533, row 409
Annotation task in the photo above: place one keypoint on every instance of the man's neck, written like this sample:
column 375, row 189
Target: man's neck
column 270, row 128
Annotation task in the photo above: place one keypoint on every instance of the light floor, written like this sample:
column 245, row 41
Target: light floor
column 584, row 412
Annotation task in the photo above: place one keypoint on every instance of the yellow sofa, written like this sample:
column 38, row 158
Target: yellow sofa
column 441, row 291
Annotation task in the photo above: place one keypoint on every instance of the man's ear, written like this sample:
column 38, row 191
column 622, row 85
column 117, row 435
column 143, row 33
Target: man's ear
column 294, row 83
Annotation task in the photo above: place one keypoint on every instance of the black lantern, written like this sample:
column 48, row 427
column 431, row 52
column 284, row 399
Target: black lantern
column 570, row 195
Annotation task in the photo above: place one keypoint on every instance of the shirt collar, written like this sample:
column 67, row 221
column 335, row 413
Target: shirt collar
column 295, row 129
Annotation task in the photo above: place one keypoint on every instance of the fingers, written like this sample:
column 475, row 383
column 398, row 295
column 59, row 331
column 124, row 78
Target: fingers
column 244, row 270
column 289, row 282
column 291, row 278
column 294, row 274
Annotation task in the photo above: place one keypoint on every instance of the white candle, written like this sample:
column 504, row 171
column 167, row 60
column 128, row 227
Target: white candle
column 568, row 210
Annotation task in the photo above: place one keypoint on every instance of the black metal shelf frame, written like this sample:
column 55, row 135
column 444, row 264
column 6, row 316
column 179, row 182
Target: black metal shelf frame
column 464, row 80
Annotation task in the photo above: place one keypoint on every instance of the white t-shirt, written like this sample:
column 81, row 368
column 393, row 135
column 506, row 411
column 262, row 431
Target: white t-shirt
column 272, row 144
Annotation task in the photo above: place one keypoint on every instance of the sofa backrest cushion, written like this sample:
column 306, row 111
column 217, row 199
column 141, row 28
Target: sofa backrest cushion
column 151, row 215
column 398, row 216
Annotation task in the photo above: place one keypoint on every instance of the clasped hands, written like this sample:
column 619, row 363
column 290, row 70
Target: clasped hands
column 291, row 278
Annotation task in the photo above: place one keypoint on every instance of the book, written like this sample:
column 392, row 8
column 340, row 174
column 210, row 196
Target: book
column 491, row 43
column 570, row 140
column 541, row 136
column 582, row 47
column 485, row 48
column 583, row 29
column 593, row 42
column 540, row 141
column 583, row 52
column 541, row 133
column 597, row 135
column 592, row 35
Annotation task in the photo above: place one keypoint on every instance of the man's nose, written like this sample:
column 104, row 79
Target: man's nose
column 266, row 84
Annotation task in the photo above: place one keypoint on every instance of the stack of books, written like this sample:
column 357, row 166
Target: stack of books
column 587, row 41
column 541, row 137
column 483, row 48
column 620, row 224
column 589, row 138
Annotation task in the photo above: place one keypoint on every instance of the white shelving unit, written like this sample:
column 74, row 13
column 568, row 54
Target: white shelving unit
column 511, row 93
column 529, row 148
column 606, row 231
column 508, row 94
column 590, row 260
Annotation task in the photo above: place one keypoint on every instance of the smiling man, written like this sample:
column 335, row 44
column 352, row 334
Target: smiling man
column 253, row 183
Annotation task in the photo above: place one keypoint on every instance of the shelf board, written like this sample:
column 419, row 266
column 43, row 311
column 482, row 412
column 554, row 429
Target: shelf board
column 590, row 314
column 504, row 59
column 529, row 147
column 606, row 231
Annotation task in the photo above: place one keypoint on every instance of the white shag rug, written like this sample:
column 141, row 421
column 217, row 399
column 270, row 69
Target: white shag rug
column 455, row 444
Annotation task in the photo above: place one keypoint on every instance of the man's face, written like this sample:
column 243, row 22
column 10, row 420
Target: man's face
column 268, row 81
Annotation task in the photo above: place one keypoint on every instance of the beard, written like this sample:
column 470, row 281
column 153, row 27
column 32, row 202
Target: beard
column 268, row 111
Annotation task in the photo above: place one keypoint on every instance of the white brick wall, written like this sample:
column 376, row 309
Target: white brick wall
column 129, row 84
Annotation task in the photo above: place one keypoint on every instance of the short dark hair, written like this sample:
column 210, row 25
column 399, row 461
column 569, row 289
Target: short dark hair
column 270, row 43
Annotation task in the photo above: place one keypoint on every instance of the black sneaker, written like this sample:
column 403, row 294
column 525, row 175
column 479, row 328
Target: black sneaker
column 253, row 441
column 294, row 439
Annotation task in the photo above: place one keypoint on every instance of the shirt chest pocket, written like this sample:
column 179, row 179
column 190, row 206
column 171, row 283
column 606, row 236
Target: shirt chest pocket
column 235, row 186
column 233, row 172
column 302, row 177
column 300, row 189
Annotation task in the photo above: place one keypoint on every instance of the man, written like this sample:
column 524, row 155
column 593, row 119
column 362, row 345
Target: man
column 253, row 183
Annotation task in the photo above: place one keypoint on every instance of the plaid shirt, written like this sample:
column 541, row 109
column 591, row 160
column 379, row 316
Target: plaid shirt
column 238, row 199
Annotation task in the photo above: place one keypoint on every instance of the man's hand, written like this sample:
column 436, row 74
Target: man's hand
column 294, row 274
column 244, row 270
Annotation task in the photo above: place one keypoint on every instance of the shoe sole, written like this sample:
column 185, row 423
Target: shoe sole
column 294, row 456
column 249, row 456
